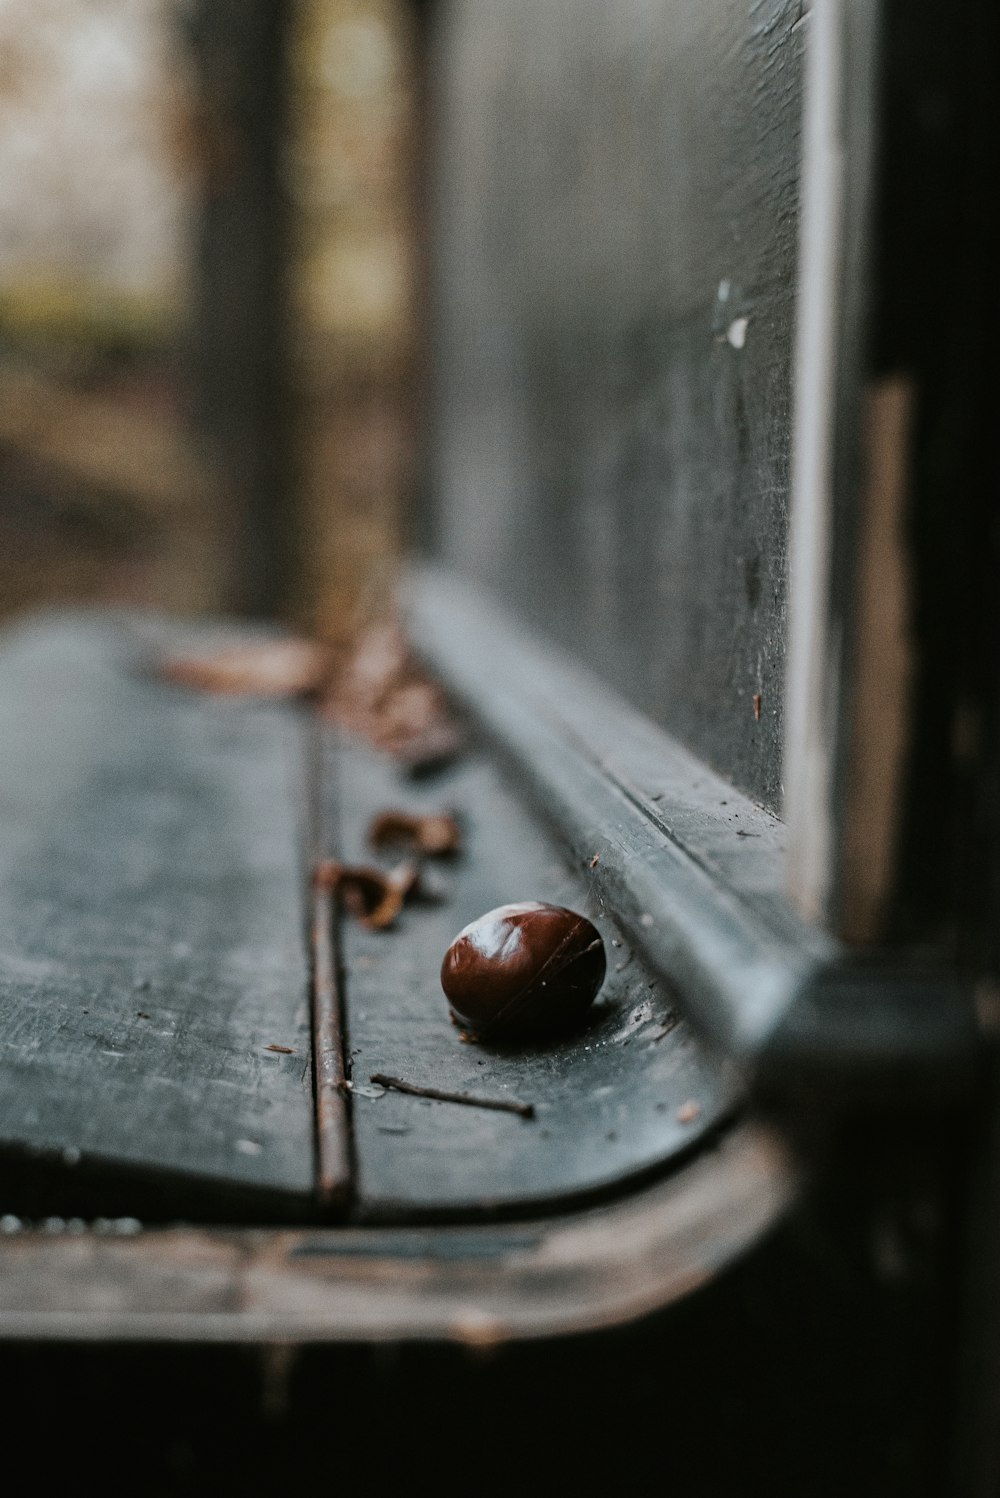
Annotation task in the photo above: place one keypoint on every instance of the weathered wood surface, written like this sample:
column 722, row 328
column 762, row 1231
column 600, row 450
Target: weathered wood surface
column 476, row 1284
column 152, row 936
column 609, row 1100
column 616, row 262
column 695, row 873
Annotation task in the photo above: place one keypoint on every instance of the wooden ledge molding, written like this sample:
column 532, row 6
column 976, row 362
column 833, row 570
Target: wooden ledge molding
column 478, row 1285
column 696, row 873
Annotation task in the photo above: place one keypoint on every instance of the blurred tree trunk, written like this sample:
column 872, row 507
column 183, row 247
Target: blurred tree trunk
column 239, row 328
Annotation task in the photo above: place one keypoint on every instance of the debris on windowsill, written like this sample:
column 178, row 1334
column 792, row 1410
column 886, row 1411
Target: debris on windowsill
column 431, row 834
column 360, row 1089
column 469, row 1100
column 285, row 668
column 372, row 896
column 374, row 688
column 381, row 693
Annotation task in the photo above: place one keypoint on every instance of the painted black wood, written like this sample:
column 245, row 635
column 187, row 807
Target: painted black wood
column 152, row 935
column 935, row 321
column 936, row 253
column 607, row 1098
column 615, row 282
column 695, row 872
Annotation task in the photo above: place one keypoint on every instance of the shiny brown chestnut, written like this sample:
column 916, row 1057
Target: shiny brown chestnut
column 523, row 970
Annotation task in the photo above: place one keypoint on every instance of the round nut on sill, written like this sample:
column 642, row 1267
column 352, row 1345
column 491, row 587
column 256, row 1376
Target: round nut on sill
column 523, row 970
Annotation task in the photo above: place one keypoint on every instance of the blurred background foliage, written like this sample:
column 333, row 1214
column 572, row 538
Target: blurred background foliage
column 122, row 479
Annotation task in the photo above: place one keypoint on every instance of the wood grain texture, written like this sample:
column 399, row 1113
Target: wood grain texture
column 695, row 873
column 476, row 1284
column 608, row 1099
column 152, row 935
column 616, row 258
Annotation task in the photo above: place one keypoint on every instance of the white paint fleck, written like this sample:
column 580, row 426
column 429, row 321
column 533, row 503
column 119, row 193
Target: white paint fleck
column 365, row 1089
column 736, row 333
column 724, row 289
column 637, row 1018
column 645, row 919
column 248, row 1147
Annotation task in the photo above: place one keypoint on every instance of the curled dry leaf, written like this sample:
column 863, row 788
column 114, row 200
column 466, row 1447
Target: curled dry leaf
column 434, row 834
column 265, row 668
column 430, row 750
column 381, row 659
column 371, row 895
column 382, row 694
column 375, row 689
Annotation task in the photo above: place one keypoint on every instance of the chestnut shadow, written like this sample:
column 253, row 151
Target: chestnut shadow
column 601, row 1012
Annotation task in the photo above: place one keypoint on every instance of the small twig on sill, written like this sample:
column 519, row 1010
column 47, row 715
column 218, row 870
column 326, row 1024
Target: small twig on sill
column 502, row 1105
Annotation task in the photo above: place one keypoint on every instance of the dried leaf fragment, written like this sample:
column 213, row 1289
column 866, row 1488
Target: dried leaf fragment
column 431, row 750
column 381, row 693
column 434, row 834
column 281, row 1050
column 756, row 707
column 371, row 895
column 266, row 668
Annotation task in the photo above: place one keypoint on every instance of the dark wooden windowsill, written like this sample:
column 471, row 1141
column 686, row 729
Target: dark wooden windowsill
column 657, row 845
column 159, row 1062
column 695, row 872
column 479, row 1285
